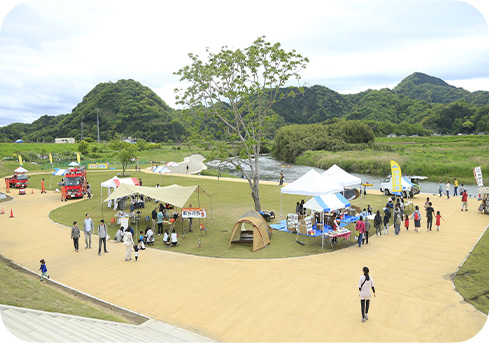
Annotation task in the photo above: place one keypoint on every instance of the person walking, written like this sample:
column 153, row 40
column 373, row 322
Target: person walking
column 43, row 190
column 447, row 189
column 281, row 178
column 88, row 229
column 378, row 223
column 438, row 220
column 75, row 235
column 365, row 284
column 129, row 243
column 360, row 227
column 159, row 221
column 63, row 193
column 406, row 222
column 429, row 216
column 464, row 200
column 44, row 270
column 397, row 220
column 440, row 189
column 417, row 218
column 102, row 237
column 455, row 187
column 386, row 222
column 367, row 229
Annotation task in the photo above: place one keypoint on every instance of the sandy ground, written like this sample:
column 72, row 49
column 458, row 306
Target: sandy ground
column 304, row 299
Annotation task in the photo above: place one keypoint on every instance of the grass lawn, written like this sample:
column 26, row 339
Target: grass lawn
column 472, row 279
column 226, row 202
column 23, row 289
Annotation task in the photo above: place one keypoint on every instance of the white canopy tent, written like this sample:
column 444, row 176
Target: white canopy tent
column 174, row 194
column 311, row 184
column 20, row 170
column 115, row 182
column 341, row 176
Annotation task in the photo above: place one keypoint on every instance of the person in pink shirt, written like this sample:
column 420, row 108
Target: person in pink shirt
column 438, row 220
column 361, row 229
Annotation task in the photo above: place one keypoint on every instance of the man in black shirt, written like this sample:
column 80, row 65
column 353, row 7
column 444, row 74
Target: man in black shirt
column 154, row 216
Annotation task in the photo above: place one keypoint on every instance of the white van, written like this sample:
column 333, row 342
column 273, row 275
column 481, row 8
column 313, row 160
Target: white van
column 409, row 188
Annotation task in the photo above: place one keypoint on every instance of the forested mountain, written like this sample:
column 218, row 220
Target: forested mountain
column 126, row 108
column 419, row 104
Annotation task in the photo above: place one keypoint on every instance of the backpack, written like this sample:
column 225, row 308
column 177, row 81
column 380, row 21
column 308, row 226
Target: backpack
column 416, row 215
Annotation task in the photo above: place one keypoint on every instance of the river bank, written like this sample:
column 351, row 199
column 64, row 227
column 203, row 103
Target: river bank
column 270, row 170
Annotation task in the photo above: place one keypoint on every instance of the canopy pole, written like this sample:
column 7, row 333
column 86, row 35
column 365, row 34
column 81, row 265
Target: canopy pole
column 280, row 205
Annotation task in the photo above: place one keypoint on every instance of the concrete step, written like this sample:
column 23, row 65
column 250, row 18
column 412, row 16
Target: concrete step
column 39, row 326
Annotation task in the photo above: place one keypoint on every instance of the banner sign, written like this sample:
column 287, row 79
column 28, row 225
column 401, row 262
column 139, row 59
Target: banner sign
column 98, row 166
column 191, row 212
column 20, row 160
column 78, row 158
column 478, row 176
column 396, row 177
column 50, row 158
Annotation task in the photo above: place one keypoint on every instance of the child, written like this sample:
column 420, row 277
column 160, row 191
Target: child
column 369, row 210
column 386, row 222
column 136, row 251
column 173, row 238
column 43, row 269
column 406, row 222
column 166, row 237
column 141, row 245
column 438, row 217
column 141, row 236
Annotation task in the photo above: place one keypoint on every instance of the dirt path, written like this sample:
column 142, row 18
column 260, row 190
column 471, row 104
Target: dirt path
column 313, row 298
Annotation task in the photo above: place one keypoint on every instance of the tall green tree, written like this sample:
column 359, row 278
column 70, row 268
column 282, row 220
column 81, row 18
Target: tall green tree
column 126, row 154
column 235, row 90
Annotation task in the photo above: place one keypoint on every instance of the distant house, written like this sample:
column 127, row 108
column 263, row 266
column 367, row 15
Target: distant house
column 64, row 140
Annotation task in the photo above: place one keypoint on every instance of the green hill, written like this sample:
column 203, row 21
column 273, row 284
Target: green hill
column 126, row 108
column 419, row 104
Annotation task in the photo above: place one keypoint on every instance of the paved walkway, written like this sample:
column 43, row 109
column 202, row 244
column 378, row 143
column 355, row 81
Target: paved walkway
column 313, row 298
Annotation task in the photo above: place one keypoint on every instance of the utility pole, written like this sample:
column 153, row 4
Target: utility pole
column 81, row 136
column 98, row 129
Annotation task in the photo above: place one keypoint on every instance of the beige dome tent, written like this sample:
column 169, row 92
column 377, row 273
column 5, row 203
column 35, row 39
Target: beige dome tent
column 251, row 227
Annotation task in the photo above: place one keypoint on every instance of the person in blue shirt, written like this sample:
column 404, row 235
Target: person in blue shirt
column 44, row 270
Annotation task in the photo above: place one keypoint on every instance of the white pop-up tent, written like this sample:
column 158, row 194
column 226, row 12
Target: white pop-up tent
column 341, row 176
column 311, row 184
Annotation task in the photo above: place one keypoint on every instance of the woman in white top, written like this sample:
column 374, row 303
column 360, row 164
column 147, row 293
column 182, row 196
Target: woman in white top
column 364, row 285
column 128, row 241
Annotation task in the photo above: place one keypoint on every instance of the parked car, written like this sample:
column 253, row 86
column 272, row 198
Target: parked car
column 409, row 188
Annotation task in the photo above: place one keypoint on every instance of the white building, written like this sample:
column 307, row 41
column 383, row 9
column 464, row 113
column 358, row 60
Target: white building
column 64, row 140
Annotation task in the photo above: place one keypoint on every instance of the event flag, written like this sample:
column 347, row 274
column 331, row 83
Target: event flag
column 396, row 177
column 20, row 160
column 78, row 157
column 478, row 176
column 50, row 158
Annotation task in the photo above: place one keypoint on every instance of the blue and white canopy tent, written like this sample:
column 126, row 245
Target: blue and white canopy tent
column 163, row 169
column 327, row 203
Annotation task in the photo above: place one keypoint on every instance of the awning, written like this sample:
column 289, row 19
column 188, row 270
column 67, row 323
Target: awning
column 161, row 169
column 174, row 194
column 312, row 183
column 59, row 172
column 327, row 203
column 20, row 170
column 116, row 182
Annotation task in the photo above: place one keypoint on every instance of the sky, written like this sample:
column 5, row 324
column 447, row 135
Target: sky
column 53, row 52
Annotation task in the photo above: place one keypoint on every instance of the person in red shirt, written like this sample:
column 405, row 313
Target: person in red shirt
column 464, row 200
column 438, row 219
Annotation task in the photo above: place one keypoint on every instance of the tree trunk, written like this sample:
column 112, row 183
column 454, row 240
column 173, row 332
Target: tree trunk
column 256, row 194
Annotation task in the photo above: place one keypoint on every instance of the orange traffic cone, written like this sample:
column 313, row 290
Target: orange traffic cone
column 11, row 213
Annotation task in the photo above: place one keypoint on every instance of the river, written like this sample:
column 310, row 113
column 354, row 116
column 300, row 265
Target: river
column 270, row 171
